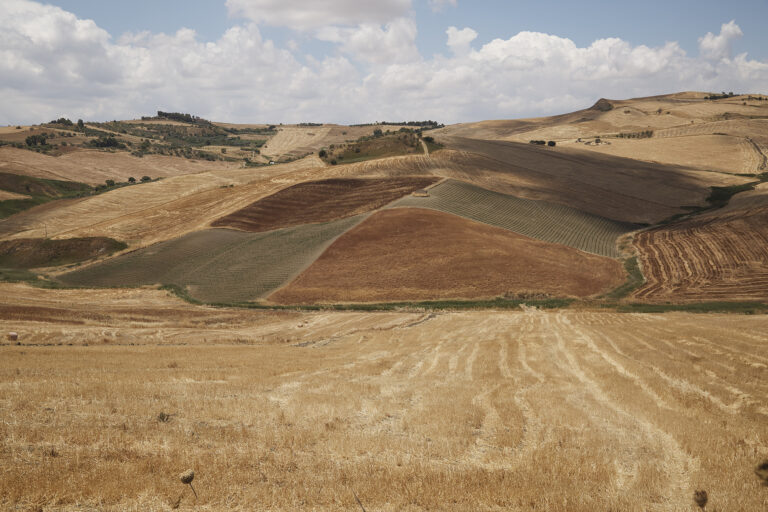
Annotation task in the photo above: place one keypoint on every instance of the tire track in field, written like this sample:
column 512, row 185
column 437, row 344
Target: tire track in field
column 677, row 463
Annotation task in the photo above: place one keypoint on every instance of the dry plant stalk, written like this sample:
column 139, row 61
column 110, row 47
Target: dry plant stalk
column 186, row 478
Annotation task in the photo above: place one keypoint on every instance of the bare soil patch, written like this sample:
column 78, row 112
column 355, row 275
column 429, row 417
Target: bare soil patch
column 415, row 254
column 321, row 201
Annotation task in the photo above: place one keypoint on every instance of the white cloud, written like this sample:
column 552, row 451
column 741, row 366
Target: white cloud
column 439, row 5
column 54, row 64
column 304, row 15
column 459, row 40
column 393, row 43
column 719, row 46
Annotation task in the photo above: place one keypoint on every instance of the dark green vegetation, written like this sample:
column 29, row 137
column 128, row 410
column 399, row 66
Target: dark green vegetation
column 536, row 219
column 369, row 148
column 746, row 308
column 25, row 253
column 39, row 191
column 17, row 275
column 634, row 280
column 218, row 265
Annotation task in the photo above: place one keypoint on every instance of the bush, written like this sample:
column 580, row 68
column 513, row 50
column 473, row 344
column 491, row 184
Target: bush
column 551, row 143
column 323, row 153
column 36, row 140
column 131, row 180
column 145, row 179
column 110, row 183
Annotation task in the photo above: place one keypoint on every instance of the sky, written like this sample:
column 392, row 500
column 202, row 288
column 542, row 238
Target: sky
column 348, row 61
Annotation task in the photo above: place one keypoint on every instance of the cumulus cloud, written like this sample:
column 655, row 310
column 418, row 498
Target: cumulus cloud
column 393, row 43
column 53, row 64
column 459, row 40
column 720, row 46
column 303, row 15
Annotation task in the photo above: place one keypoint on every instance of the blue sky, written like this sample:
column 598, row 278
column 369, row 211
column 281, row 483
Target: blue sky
column 650, row 22
column 351, row 61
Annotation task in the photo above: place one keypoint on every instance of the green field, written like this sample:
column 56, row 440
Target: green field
column 536, row 219
column 218, row 265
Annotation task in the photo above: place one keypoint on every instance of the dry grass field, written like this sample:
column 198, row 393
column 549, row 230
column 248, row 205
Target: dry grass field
column 720, row 256
column 151, row 212
column 557, row 411
column 612, row 187
column 321, row 201
column 94, row 167
column 417, row 254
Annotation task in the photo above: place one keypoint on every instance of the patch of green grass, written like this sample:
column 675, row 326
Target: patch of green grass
column 634, row 280
column 16, row 275
column 39, row 191
column 746, row 308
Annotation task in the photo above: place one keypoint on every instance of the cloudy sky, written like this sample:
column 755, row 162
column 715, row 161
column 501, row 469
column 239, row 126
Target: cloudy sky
column 351, row 61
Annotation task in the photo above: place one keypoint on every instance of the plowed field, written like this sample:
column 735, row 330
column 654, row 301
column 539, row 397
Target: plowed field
column 414, row 254
column 536, row 219
column 723, row 257
column 321, row 201
column 561, row 412
column 218, row 265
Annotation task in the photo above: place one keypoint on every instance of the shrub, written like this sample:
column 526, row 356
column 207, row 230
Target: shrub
column 131, row 180
column 323, row 153
column 145, row 179
column 551, row 143
column 36, row 140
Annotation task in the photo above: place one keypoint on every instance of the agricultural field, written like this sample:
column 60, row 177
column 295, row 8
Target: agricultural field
column 413, row 254
column 217, row 265
column 94, row 167
column 321, row 201
column 721, row 256
column 41, row 252
column 536, row 219
column 151, row 212
column 403, row 411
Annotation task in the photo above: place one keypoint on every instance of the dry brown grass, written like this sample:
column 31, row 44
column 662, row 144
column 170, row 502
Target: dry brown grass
column 562, row 411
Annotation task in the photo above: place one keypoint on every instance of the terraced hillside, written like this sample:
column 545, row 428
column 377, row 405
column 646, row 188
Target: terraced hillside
column 415, row 254
column 715, row 257
column 536, row 219
column 218, row 265
column 321, row 201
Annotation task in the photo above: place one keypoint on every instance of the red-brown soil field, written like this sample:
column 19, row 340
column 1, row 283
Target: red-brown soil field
column 417, row 254
column 722, row 257
column 321, row 201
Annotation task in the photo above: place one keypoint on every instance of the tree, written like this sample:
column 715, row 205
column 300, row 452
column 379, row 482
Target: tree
column 131, row 180
column 110, row 183
column 377, row 132
column 323, row 153
column 551, row 143
column 36, row 140
column 80, row 125
column 145, row 179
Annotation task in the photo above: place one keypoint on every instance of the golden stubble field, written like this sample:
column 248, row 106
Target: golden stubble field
column 520, row 410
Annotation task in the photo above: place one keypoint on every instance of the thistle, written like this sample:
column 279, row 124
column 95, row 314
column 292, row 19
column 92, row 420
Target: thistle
column 186, row 478
column 700, row 498
column 762, row 472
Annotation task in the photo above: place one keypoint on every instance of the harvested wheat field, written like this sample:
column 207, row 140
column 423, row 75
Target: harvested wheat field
column 563, row 411
column 321, row 201
column 218, row 265
column 94, row 167
column 151, row 212
column 608, row 186
column 415, row 254
column 536, row 219
column 714, row 257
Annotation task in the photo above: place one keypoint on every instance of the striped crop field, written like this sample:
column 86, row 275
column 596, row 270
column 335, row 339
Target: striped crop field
column 707, row 258
column 536, row 219
column 218, row 265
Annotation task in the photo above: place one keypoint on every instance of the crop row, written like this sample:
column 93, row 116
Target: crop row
column 536, row 219
column 219, row 265
column 710, row 259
